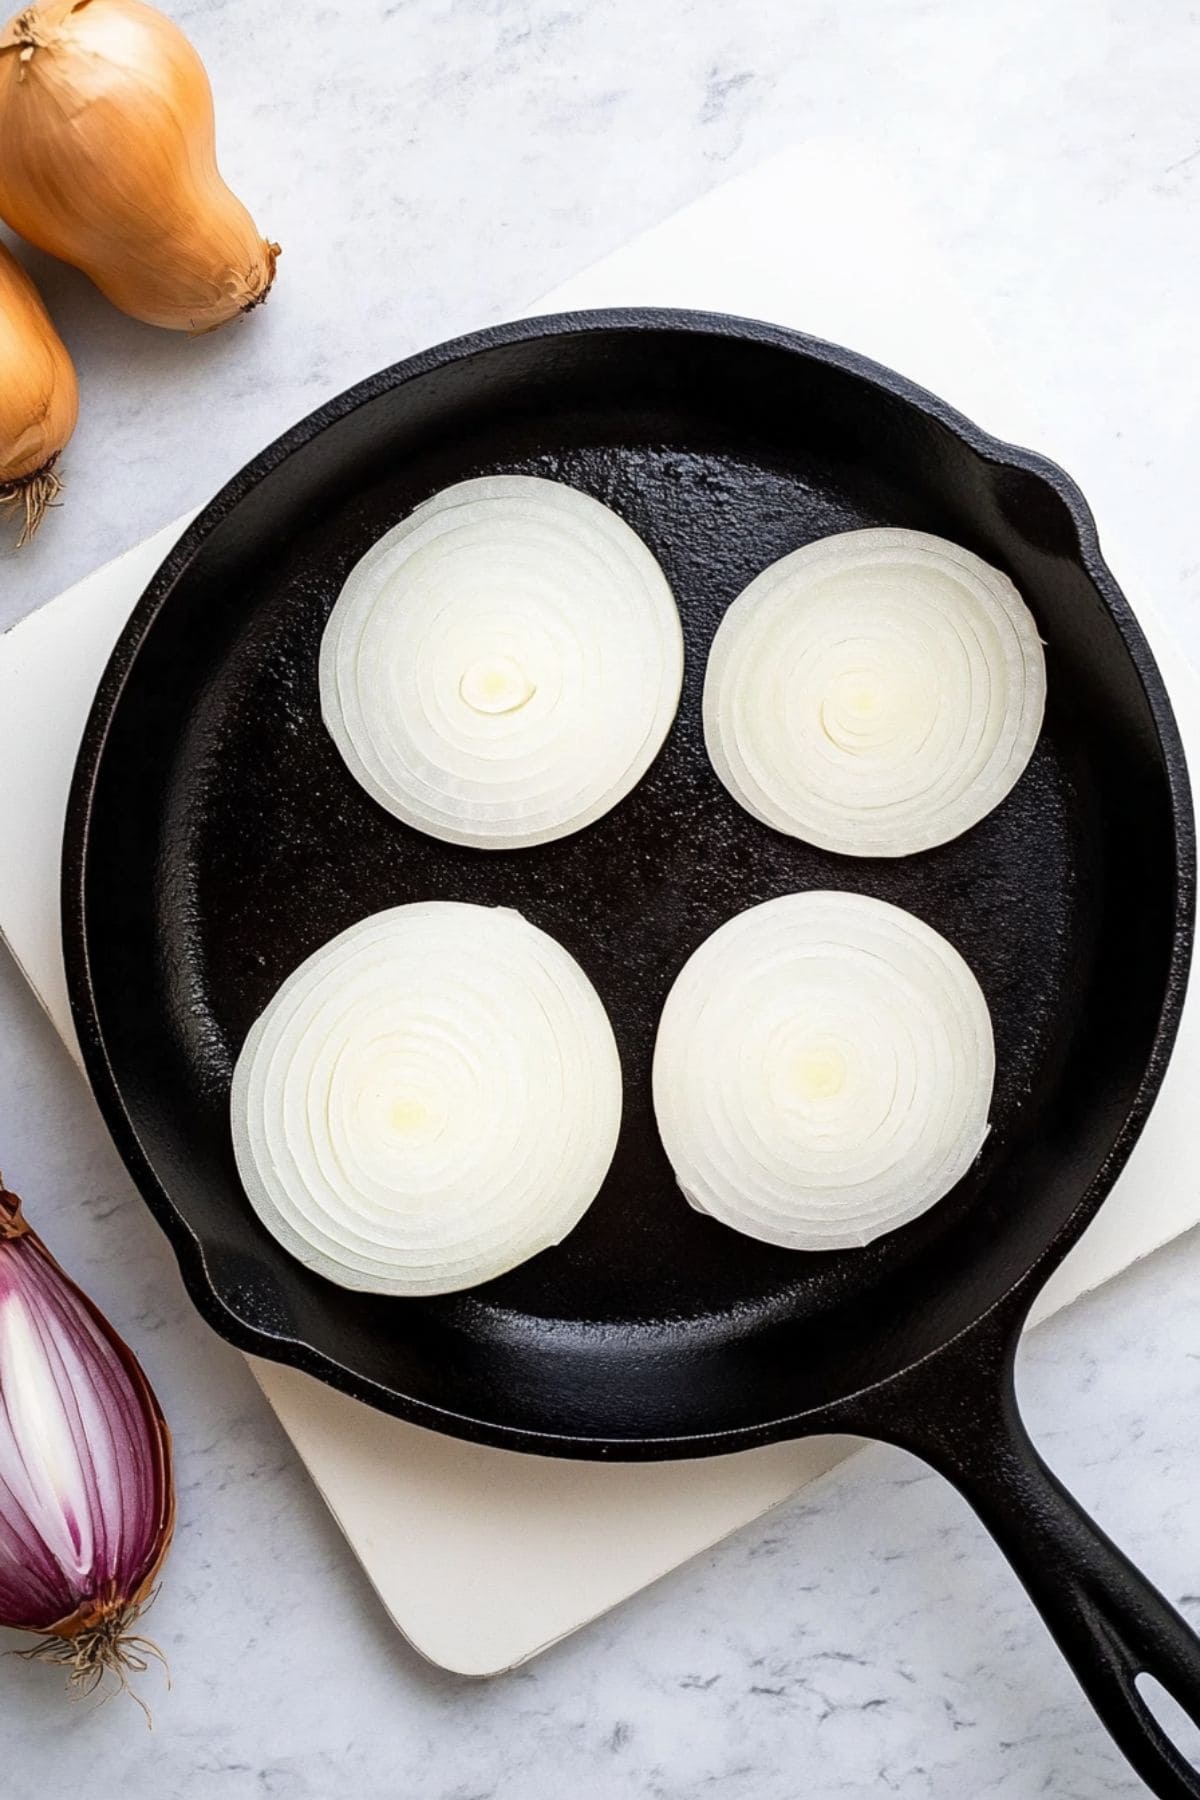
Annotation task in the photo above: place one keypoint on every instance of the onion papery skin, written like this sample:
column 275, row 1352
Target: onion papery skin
column 823, row 1071
column 108, row 160
column 876, row 693
column 430, row 1099
column 87, row 1503
column 39, row 397
column 502, row 667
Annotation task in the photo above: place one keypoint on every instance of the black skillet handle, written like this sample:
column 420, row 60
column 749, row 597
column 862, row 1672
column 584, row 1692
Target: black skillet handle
column 958, row 1412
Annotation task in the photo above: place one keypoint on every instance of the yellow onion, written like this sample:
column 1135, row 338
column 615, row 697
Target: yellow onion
column 108, row 160
column 87, row 1502
column 39, row 397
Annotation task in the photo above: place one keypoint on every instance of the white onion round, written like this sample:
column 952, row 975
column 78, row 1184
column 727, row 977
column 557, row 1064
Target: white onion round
column 823, row 1071
column 503, row 666
column 430, row 1099
column 875, row 693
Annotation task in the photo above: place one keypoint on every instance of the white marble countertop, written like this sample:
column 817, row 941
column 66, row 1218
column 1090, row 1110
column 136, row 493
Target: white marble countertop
column 428, row 165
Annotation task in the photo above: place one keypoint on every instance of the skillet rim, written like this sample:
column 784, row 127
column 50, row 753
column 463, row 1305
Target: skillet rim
column 188, row 1247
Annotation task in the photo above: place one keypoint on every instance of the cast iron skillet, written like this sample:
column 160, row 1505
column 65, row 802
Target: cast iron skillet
column 214, row 839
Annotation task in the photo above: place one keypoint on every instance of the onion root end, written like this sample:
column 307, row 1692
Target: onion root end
column 32, row 496
column 108, row 1647
column 253, row 298
column 274, row 252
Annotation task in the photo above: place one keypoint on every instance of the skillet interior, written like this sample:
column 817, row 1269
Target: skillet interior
column 215, row 839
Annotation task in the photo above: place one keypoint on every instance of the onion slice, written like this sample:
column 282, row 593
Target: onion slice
column 428, row 1100
column 875, row 693
column 503, row 666
column 823, row 1071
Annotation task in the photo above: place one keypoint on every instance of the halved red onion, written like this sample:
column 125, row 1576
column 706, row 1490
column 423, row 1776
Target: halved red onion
column 87, row 1505
column 875, row 693
column 430, row 1099
column 502, row 667
column 823, row 1071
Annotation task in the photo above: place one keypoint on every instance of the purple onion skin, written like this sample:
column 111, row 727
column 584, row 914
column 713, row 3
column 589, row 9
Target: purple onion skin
column 87, row 1503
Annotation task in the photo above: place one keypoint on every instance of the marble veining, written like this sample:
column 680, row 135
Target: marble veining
column 428, row 165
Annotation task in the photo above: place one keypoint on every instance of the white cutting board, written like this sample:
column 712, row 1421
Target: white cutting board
column 482, row 1557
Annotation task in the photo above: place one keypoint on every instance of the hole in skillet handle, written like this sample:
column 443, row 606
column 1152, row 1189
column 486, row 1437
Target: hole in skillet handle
column 1172, row 1718
column 1135, row 1657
